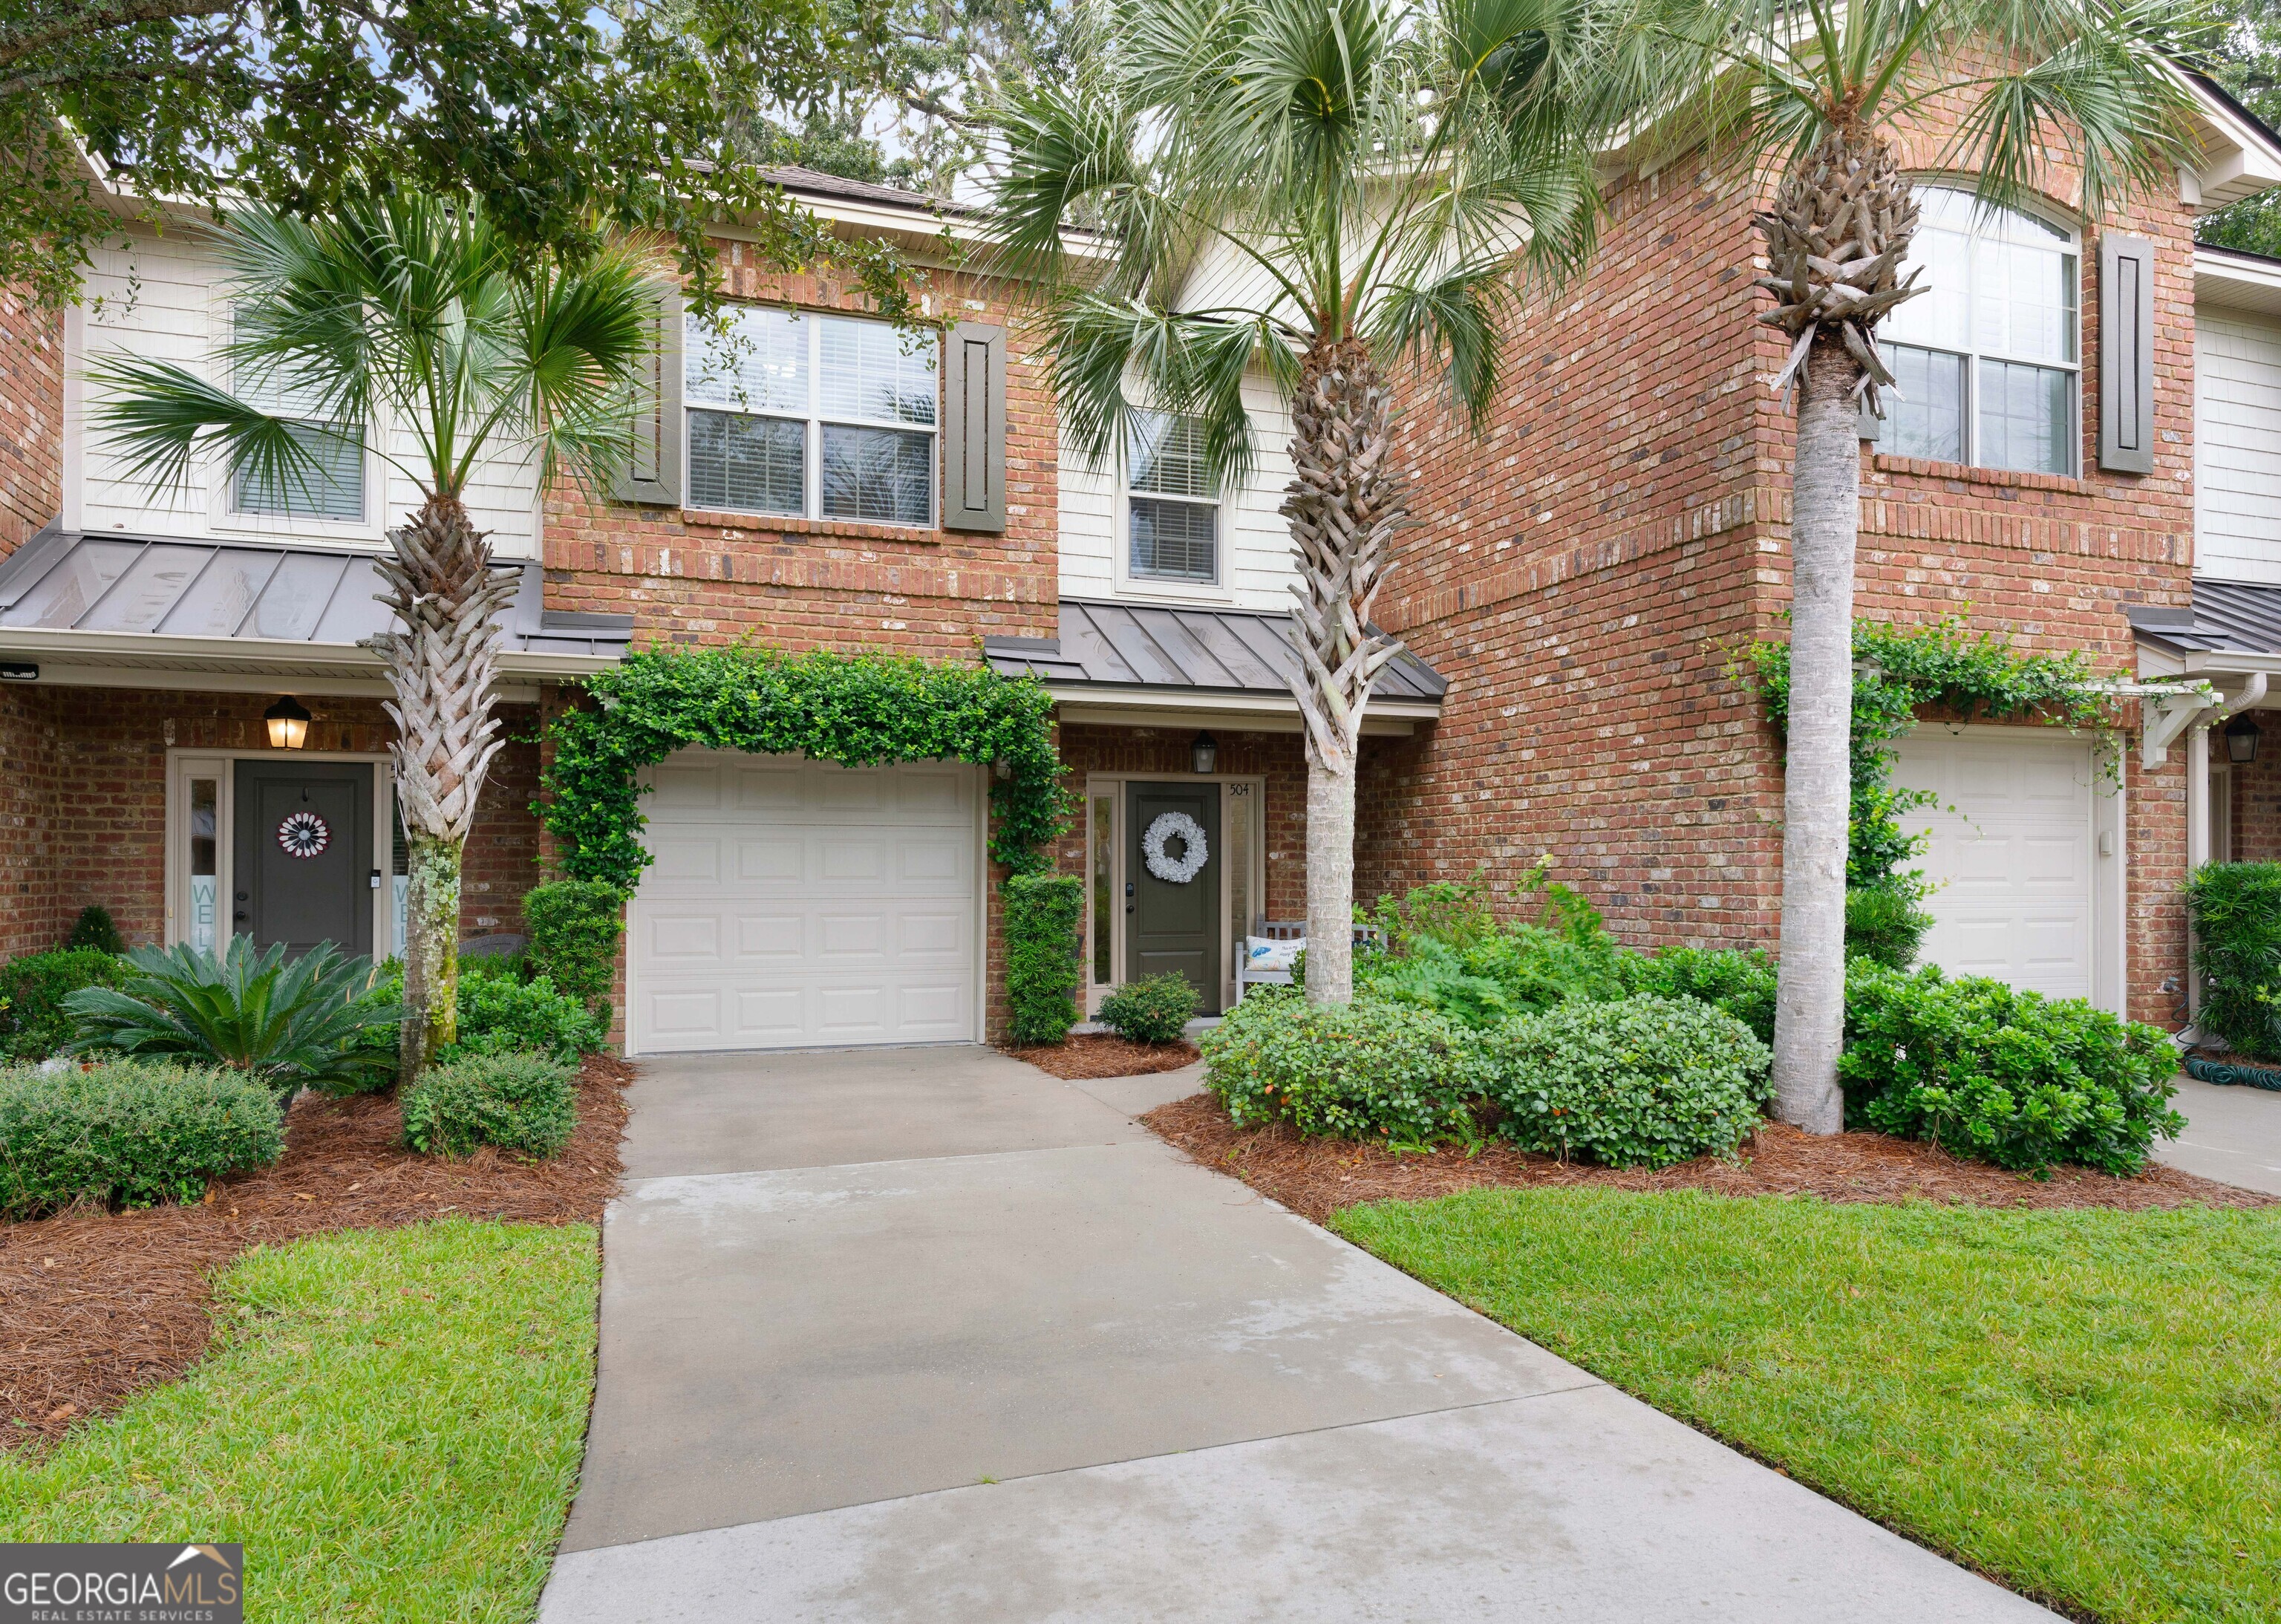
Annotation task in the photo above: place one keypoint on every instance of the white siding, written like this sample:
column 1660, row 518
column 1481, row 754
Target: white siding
column 2236, row 446
column 1255, row 544
column 156, row 296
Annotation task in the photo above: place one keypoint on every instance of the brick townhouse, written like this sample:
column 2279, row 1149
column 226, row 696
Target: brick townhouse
column 1566, row 598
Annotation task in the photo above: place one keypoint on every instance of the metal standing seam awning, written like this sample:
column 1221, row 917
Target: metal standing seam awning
column 117, row 610
column 1133, row 663
column 2233, row 627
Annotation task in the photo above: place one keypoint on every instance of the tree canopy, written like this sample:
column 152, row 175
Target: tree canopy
column 2243, row 53
column 568, row 121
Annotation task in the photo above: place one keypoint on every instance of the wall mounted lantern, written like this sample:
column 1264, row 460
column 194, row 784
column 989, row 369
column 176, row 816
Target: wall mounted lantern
column 2241, row 740
column 289, row 725
column 1204, row 754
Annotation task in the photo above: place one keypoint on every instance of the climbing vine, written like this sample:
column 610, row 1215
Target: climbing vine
column 858, row 710
column 1900, row 670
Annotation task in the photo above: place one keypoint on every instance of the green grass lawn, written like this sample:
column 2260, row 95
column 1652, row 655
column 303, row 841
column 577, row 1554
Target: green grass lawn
column 390, row 1421
column 2085, row 1404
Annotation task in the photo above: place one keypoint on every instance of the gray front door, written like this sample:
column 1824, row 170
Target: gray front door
column 304, row 854
column 1171, row 923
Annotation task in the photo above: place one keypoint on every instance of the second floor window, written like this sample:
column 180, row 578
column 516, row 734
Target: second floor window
column 333, row 488
column 811, row 416
column 1987, row 360
column 1172, row 512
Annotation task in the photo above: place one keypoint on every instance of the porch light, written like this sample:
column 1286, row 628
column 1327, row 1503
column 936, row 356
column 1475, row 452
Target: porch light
column 289, row 725
column 2241, row 740
column 1204, row 754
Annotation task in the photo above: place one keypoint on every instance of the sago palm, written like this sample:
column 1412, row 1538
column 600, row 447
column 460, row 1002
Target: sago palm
column 2069, row 95
column 1339, row 201
column 410, row 314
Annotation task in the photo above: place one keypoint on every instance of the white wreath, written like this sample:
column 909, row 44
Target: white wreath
column 1166, row 826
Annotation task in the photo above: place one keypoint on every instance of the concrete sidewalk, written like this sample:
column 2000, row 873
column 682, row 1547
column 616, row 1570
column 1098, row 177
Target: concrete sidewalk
column 926, row 1335
column 2234, row 1133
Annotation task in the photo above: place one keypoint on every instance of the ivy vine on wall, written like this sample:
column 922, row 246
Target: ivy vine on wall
column 1900, row 670
column 858, row 710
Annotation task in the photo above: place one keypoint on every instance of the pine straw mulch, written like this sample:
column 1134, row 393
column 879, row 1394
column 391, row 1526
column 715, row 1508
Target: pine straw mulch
column 1105, row 1053
column 96, row 1306
column 1314, row 1178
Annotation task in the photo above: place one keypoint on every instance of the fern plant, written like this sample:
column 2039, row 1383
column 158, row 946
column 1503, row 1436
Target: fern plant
column 288, row 1023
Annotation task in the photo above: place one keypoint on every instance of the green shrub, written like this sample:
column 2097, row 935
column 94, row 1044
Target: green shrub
column 94, row 930
column 1638, row 1082
column 575, row 925
column 1153, row 1010
column 1365, row 1070
column 1986, row 1071
column 500, row 1013
column 2236, row 909
column 34, row 1022
column 289, row 1022
column 1884, row 924
column 129, row 1133
column 519, row 1101
column 1044, row 915
column 1741, row 981
column 1432, row 976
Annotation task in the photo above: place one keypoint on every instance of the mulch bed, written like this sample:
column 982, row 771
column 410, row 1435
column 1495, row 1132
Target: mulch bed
column 1314, row 1178
column 1105, row 1053
column 95, row 1306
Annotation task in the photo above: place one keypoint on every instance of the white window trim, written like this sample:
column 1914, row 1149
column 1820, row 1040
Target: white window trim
column 1112, row 786
column 1973, row 355
column 185, row 764
column 816, row 421
column 1130, row 583
column 220, row 494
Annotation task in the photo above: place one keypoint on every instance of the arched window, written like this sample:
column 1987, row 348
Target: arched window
column 1988, row 361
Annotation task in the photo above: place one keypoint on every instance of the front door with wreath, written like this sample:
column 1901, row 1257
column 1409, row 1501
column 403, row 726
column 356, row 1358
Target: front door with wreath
column 1172, row 888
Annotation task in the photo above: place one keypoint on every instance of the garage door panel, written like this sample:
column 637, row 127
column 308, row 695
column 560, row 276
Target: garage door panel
column 684, row 788
column 801, row 903
column 2009, row 854
column 684, row 936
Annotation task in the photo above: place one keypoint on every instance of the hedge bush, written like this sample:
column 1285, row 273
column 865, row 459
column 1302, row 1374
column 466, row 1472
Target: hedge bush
column 1884, row 922
column 1637, row 1082
column 129, row 1133
column 1984, row 1069
column 2236, row 909
column 1366, row 1069
column 94, row 929
column 523, row 1102
column 1153, row 1010
column 1741, row 981
column 575, row 925
column 501, row 1010
column 1044, row 917
column 34, row 1022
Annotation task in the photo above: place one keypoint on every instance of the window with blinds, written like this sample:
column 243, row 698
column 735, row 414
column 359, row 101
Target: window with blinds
column 1173, row 510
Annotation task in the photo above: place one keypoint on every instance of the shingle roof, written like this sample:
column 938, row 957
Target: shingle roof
column 65, row 580
column 1228, row 651
column 797, row 178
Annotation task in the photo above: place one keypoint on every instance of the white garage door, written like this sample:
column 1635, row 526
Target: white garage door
column 796, row 903
column 2012, row 852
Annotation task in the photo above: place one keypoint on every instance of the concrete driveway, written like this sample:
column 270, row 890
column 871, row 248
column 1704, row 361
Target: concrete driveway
column 927, row 1335
column 2232, row 1133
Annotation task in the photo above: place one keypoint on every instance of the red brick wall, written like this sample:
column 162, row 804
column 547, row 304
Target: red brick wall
column 86, row 820
column 2256, row 792
column 692, row 576
column 1584, row 569
column 31, row 418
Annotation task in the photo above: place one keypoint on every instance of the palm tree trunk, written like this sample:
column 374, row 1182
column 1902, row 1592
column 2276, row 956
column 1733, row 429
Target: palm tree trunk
column 1817, row 785
column 1343, row 506
column 441, row 665
column 431, row 954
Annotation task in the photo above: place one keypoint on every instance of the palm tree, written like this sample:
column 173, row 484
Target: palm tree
column 2035, row 91
column 412, row 314
column 1325, row 198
